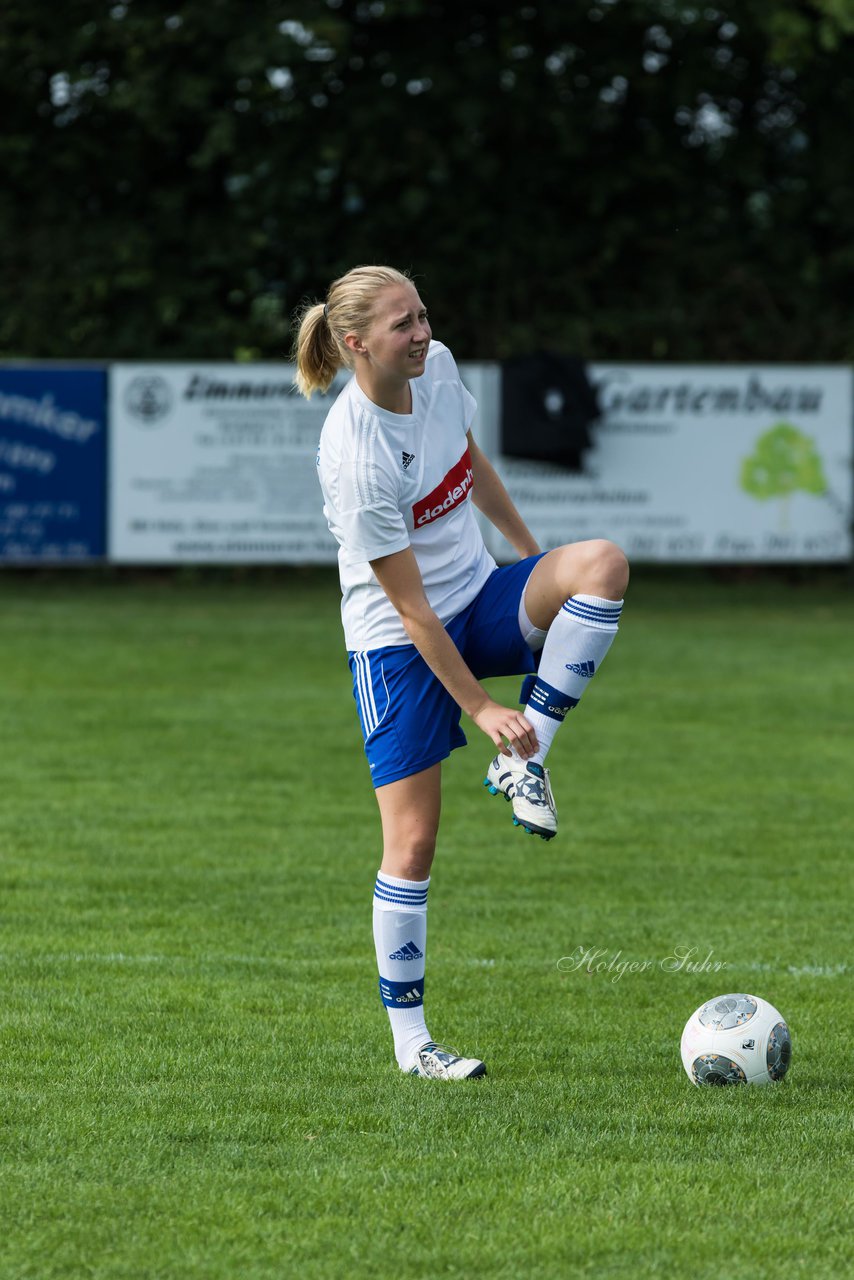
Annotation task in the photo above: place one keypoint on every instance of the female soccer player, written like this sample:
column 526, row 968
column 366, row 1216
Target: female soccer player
column 427, row 613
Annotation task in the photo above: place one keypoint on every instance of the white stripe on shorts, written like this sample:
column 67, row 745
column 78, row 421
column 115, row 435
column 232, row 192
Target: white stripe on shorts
column 366, row 693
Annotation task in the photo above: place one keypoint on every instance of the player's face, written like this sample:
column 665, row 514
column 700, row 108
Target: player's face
column 399, row 335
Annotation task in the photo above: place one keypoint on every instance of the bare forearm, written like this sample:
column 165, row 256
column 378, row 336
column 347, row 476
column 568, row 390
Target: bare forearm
column 491, row 497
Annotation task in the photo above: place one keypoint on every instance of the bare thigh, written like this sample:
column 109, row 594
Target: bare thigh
column 409, row 811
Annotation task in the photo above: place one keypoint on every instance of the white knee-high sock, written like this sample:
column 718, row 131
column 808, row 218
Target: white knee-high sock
column 574, row 649
column 400, row 938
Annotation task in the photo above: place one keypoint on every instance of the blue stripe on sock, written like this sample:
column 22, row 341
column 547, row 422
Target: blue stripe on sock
column 585, row 612
column 399, row 891
column 399, row 895
column 402, row 995
column 549, row 701
column 591, row 612
column 400, row 902
column 616, row 607
column 399, row 888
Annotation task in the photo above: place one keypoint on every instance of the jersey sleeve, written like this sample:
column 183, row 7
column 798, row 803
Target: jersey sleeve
column 450, row 372
column 369, row 515
column 469, row 406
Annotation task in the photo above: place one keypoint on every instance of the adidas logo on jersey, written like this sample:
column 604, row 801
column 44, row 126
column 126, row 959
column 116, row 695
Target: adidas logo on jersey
column 407, row 459
column 407, row 952
column 585, row 669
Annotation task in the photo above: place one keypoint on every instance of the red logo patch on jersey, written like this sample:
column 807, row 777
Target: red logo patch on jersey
column 449, row 493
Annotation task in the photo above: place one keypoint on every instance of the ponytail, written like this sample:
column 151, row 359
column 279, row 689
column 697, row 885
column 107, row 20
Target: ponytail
column 316, row 352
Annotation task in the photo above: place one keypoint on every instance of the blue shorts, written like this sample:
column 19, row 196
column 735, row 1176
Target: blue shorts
column 409, row 720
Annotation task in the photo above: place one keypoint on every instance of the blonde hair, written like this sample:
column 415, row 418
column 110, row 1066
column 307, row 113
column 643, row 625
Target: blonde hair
column 319, row 350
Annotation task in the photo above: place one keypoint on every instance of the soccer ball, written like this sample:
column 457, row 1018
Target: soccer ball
column 736, row 1039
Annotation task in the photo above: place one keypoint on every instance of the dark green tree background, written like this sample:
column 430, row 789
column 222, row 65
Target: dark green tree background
column 637, row 179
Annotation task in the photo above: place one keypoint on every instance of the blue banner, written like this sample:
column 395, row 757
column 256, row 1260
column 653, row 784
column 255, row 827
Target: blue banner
column 53, row 464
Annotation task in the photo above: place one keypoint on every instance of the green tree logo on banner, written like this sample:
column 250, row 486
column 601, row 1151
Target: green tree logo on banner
column 784, row 461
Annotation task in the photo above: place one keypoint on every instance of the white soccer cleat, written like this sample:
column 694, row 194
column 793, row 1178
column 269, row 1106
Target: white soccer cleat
column 438, row 1062
column 529, row 789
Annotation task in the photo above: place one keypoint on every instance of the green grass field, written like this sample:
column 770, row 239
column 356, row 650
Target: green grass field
column 197, row 1079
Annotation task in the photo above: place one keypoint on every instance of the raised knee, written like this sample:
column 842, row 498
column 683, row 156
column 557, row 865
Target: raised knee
column 608, row 568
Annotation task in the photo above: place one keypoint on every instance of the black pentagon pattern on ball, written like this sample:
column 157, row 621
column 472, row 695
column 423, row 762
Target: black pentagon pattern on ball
column 779, row 1053
column 727, row 1011
column 715, row 1069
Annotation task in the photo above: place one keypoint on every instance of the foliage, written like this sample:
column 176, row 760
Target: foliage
column 623, row 179
column 784, row 461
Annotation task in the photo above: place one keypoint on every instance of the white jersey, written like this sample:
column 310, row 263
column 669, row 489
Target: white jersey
column 392, row 481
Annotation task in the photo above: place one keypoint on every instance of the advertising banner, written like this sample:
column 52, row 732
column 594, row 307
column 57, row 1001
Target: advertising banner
column 703, row 464
column 215, row 463
column 52, row 464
